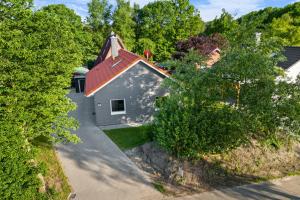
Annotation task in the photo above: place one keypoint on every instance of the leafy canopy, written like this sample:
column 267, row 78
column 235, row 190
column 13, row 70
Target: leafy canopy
column 123, row 23
column 163, row 23
column 211, row 110
column 38, row 52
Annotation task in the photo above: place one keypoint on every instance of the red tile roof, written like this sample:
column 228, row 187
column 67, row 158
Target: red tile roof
column 111, row 68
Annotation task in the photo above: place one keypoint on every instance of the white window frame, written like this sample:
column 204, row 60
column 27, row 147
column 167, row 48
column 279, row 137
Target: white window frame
column 117, row 112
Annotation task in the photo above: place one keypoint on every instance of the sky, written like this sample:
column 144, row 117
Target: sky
column 209, row 9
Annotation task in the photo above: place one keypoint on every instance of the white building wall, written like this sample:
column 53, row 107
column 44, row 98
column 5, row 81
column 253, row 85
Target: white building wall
column 293, row 71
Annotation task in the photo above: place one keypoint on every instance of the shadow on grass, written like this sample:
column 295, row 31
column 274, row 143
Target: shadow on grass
column 56, row 183
column 127, row 138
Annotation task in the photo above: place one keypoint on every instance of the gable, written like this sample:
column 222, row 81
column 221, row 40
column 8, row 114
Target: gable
column 110, row 69
column 106, row 50
column 138, row 76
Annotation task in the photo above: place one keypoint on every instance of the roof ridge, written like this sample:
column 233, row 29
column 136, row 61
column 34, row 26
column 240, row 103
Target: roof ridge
column 106, row 71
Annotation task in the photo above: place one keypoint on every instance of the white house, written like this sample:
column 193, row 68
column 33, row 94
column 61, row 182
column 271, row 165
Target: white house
column 292, row 64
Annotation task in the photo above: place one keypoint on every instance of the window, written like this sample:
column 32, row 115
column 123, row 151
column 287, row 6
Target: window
column 118, row 106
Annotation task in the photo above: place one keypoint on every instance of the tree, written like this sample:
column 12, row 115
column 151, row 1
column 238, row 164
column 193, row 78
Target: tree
column 145, row 44
column 282, row 23
column 216, row 109
column 99, row 15
column 165, row 23
column 99, row 20
column 156, row 23
column 38, row 53
column 124, row 24
column 284, row 29
column 81, row 34
column 202, row 44
column 188, row 20
column 222, row 25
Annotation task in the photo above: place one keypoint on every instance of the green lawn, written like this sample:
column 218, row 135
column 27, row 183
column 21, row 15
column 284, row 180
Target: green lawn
column 56, row 182
column 127, row 138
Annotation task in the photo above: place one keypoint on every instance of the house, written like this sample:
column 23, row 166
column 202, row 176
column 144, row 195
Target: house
column 213, row 57
column 78, row 79
column 123, row 85
column 292, row 63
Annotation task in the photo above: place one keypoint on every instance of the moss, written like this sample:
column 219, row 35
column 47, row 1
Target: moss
column 159, row 186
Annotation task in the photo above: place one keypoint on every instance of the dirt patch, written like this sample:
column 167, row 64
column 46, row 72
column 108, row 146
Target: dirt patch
column 243, row 165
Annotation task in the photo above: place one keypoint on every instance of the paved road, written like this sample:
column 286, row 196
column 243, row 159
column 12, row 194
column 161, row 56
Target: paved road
column 96, row 168
column 286, row 188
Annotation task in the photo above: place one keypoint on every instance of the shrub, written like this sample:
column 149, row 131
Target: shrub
column 211, row 110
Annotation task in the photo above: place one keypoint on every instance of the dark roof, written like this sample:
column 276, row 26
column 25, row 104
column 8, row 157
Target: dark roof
column 292, row 55
column 106, row 71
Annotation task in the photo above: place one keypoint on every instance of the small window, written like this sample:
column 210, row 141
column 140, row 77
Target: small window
column 118, row 106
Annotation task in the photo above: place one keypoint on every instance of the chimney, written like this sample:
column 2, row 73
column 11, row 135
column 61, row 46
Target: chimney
column 258, row 37
column 114, row 45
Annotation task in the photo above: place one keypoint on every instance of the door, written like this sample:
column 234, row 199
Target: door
column 81, row 85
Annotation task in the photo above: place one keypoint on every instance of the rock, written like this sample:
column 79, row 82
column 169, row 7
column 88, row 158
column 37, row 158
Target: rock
column 72, row 196
column 147, row 148
column 180, row 172
column 42, row 189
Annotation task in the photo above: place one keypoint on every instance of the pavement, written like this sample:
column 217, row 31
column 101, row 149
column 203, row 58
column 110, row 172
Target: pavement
column 96, row 168
column 281, row 189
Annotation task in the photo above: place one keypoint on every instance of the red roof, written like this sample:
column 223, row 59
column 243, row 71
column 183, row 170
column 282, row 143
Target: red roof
column 110, row 68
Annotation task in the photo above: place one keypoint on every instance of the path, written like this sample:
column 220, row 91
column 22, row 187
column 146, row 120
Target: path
column 97, row 168
column 281, row 189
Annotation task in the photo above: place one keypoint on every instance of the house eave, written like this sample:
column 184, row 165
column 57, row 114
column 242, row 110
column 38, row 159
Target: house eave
column 122, row 72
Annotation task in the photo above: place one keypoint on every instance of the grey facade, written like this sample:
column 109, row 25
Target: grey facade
column 139, row 86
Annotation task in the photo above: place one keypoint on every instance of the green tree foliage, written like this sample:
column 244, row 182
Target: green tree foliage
column 156, row 22
column 82, row 36
column 124, row 24
column 166, row 22
column 18, row 174
column 145, row 44
column 216, row 109
column 283, row 23
column 38, row 52
column 188, row 20
column 98, row 22
column 285, row 29
column 223, row 24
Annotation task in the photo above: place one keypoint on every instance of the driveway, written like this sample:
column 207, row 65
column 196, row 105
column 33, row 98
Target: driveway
column 96, row 168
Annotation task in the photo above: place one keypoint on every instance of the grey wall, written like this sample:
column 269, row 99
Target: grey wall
column 139, row 86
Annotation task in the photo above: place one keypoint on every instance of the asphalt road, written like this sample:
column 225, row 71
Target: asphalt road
column 280, row 189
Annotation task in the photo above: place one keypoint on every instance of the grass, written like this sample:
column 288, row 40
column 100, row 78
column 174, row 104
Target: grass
column 159, row 186
column 56, row 182
column 127, row 138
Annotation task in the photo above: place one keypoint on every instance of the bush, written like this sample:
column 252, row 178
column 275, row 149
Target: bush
column 18, row 171
column 211, row 110
column 188, row 131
